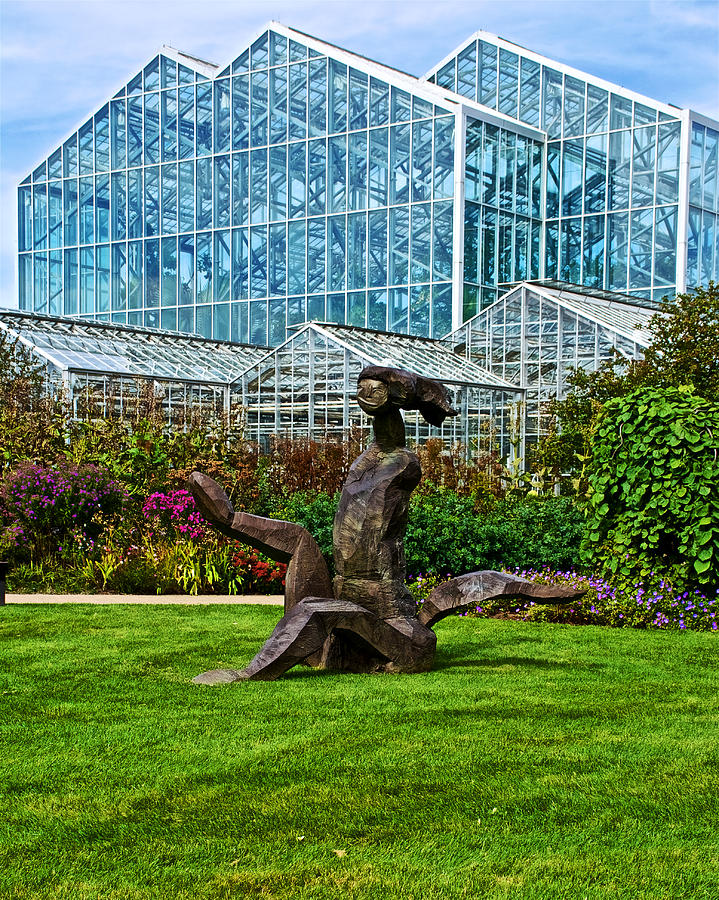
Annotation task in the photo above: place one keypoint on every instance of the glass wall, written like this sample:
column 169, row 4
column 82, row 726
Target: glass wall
column 289, row 187
column 703, row 234
column 612, row 169
column 534, row 338
column 502, row 213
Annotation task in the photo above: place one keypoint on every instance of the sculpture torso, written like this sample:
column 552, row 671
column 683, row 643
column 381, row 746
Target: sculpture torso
column 369, row 530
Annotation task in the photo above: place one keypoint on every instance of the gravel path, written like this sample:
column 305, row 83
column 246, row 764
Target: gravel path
column 150, row 599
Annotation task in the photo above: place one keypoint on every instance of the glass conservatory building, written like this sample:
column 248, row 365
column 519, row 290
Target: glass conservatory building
column 303, row 182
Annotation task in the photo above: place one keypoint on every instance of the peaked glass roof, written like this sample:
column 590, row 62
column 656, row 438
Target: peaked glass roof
column 425, row 356
column 83, row 346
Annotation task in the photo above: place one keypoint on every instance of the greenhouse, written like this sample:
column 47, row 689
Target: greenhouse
column 306, row 387
column 536, row 334
column 105, row 369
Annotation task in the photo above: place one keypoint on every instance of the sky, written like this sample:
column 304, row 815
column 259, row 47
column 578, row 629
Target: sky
column 60, row 61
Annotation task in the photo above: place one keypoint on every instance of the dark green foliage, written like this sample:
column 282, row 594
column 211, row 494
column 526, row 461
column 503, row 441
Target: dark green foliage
column 315, row 512
column 446, row 535
column 654, row 504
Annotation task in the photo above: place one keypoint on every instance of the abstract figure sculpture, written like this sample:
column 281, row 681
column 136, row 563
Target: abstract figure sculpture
column 366, row 620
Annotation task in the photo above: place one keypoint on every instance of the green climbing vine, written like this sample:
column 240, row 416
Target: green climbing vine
column 654, row 488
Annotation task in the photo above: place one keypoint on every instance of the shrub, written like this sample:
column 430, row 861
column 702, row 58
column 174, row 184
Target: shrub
column 654, row 504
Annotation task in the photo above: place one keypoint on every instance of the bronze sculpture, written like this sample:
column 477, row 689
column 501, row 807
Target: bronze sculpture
column 364, row 621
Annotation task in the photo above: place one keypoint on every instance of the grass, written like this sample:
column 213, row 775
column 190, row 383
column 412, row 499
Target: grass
column 536, row 761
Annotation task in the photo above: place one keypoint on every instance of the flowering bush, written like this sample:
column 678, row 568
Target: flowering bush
column 45, row 507
column 259, row 574
column 175, row 515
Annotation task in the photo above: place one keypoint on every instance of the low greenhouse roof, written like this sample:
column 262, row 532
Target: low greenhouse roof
column 424, row 356
column 620, row 313
column 75, row 345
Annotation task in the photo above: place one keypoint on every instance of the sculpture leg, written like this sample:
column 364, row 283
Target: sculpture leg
column 307, row 573
column 477, row 588
column 397, row 645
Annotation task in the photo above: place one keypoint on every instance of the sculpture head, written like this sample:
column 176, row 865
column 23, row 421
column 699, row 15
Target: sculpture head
column 381, row 389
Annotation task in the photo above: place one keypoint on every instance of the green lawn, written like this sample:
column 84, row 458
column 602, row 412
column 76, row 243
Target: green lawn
column 536, row 761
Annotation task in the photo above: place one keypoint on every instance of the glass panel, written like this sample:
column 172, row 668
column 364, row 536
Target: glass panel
column 278, row 49
column 55, row 283
column 152, row 128
column 529, row 91
column 134, row 274
column 240, row 262
column 152, row 274
column 597, row 109
column 595, row 174
column 152, row 201
column 400, row 105
column 337, row 97
column 421, row 239
column 168, row 72
column 278, row 183
column 358, row 99
column 696, row 165
column 357, row 171
column 711, row 143
column 573, row 106
column 277, row 259
column 152, row 75
column 506, row 170
column 203, row 192
column 315, row 255
column 399, row 167
column 169, row 199
column 296, row 258
column 665, row 249
column 621, row 112
column 508, row 82
column 473, row 160
column 278, row 105
column 87, row 281
column 297, row 179
column 204, row 119
column 186, row 270
column 297, row 51
column 441, row 310
column 442, row 241
column 242, row 63
column 552, row 103
column 571, row 262
column 356, row 251
column 378, row 167
column 87, row 212
column 708, row 247
column 119, row 277
column 488, row 74
column 40, row 282
column 336, row 253
column 377, row 310
column 523, row 167
column 467, row 71
column 337, row 173
column 186, row 100
column 644, row 115
column 620, row 152
column 25, row 218
column 86, row 150
column 398, row 310
column 378, row 102
column 377, row 260
column 504, row 258
column 102, row 140
column 222, row 123
column 69, row 156
column 186, row 196
column 318, row 96
column 71, row 283
column 572, row 182
column 102, row 208
column 203, row 274
column 240, row 112
column 640, row 252
column 398, row 245
column 643, row 166
column 259, row 52
column 168, row 109
column 102, row 278
column 221, row 270
column 593, row 251
column 490, row 165
column 316, row 177
column 446, row 76
column 258, row 186
column 298, row 101
column 443, row 158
